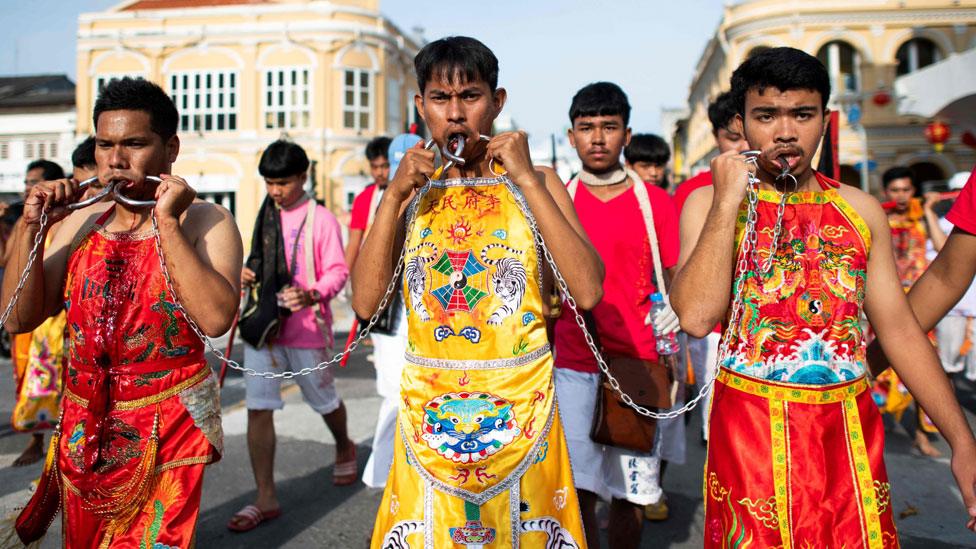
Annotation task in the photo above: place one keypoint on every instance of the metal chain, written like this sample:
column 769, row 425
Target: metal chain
column 288, row 374
column 741, row 271
column 31, row 257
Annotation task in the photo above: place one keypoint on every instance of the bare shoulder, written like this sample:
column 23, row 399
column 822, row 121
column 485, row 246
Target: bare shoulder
column 202, row 217
column 699, row 200
column 79, row 222
column 866, row 205
column 548, row 175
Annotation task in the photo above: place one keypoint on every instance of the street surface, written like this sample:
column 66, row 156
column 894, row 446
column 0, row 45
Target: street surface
column 928, row 508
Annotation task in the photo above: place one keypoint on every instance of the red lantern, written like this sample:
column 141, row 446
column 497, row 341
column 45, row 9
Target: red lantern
column 881, row 98
column 937, row 134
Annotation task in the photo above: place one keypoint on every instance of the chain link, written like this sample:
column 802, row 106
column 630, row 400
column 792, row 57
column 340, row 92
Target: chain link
column 748, row 243
column 31, row 257
column 288, row 374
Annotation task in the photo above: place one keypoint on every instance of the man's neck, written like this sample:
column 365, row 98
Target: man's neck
column 125, row 219
column 612, row 177
column 297, row 203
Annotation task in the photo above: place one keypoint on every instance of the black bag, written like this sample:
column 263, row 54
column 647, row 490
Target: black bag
column 260, row 316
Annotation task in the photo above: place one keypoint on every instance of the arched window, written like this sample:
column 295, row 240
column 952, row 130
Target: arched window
column 843, row 63
column 917, row 53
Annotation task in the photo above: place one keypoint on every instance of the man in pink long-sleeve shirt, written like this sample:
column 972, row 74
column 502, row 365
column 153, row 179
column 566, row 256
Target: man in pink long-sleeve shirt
column 305, row 335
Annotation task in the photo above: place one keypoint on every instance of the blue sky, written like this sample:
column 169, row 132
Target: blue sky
column 547, row 49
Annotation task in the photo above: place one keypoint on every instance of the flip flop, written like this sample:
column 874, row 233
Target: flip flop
column 346, row 472
column 250, row 517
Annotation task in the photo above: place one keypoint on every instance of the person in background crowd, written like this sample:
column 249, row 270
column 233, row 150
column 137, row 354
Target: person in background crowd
column 36, row 404
column 83, row 166
column 648, row 155
column 365, row 203
column 390, row 340
column 703, row 352
column 956, row 333
column 913, row 223
column 297, row 251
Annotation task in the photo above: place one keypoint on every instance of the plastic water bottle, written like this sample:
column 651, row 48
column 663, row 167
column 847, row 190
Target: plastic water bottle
column 667, row 344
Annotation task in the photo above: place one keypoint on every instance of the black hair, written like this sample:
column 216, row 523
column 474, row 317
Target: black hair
column 456, row 57
column 378, row 147
column 135, row 94
column 283, row 159
column 781, row 68
column 600, row 99
column 896, row 172
column 84, row 154
column 49, row 170
column 647, row 147
column 721, row 111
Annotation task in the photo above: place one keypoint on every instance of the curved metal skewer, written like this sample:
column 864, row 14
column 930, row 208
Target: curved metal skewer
column 116, row 191
column 91, row 200
column 491, row 159
column 452, row 158
column 132, row 203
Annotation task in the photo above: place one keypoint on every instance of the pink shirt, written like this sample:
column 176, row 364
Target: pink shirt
column 616, row 229
column 300, row 329
column 963, row 212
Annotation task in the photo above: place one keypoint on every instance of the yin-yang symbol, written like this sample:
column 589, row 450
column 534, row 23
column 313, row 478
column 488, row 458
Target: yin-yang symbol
column 458, row 280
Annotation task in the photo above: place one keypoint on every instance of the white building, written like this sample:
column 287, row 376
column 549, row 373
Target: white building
column 37, row 120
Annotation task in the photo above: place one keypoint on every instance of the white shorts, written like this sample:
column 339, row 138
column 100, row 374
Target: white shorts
column 704, row 355
column 388, row 359
column 318, row 388
column 380, row 460
column 604, row 470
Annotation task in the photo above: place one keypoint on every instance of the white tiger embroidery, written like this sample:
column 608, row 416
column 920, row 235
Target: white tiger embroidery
column 415, row 274
column 396, row 538
column 508, row 281
column 557, row 536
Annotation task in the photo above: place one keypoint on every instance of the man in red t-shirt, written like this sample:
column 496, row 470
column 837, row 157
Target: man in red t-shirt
column 365, row 202
column 721, row 112
column 703, row 351
column 605, row 191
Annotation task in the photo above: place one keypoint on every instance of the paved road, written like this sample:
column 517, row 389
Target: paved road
column 317, row 514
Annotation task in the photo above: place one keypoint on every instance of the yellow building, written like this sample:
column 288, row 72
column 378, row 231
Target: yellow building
column 867, row 46
column 328, row 75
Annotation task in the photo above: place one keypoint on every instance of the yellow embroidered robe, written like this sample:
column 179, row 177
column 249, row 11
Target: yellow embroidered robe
column 480, row 458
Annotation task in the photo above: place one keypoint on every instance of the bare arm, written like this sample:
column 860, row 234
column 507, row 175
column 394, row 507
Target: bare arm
column 203, row 254
column 702, row 288
column 352, row 248
column 936, row 234
column 574, row 255
column 44, row 284
column 910, row 351
column 941, row 286
column 553, row 210
column 373, row 268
